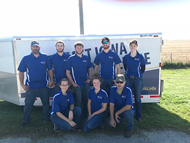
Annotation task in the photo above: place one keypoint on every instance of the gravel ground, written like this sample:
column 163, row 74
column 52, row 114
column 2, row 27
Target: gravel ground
column 164, row 136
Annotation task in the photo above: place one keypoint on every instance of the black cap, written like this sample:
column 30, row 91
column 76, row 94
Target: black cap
column 133, row 41
column 105, row 39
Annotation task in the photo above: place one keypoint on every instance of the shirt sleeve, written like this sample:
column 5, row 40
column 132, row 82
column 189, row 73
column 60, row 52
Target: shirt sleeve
column 117, row 59
column 111, row 98
column 105, row 97
column 143, row 62
column 124, row 60
column 71, row 99
column 68, row 64
column 55, row 105
column 49, row 66
column 96, row 60
column 129, row 98
column 22, row 66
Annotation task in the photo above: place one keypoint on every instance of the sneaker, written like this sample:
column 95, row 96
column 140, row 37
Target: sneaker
column 47, row 120
column 76, row 129
column 24, row 124
column 56, row 129
column 128, row 133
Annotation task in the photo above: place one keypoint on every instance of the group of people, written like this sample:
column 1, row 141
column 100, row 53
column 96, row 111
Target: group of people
column 74, row 98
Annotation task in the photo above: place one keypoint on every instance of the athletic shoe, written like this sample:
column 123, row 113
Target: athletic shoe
column 128, row 133
column 56, row 129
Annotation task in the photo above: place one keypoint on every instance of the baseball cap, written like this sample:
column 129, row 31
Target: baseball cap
column 35, row 43
column 120, row 77
column 105, row 39
column 133, row 41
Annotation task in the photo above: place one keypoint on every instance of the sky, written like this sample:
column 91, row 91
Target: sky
column 61, row 17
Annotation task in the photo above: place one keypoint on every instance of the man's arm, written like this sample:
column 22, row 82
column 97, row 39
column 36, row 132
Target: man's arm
column 68, row 73
column 89, row 75
column 21, row 78
column 96, row 69
column 112, row 121
column 118, row 68
column 125, row 108
column 50, row 73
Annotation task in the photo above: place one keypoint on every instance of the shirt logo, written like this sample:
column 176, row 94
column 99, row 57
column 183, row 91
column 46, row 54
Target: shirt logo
column 110, row 57
column 43, row 62
column 65, row 60
column 137, row 59
column 100, row 97
column 84, row 60
column 67, row 99
column 123, row 96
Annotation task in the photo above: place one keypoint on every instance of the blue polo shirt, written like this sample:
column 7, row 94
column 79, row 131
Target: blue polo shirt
column 79, row 68
column 97, row 99
column 120, row 100
column 58, row 63
column 61, row 102
column 36, row 70
column 134, row 64
column 108, row 62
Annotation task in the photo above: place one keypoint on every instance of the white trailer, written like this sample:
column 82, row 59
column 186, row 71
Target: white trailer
column 13, row 49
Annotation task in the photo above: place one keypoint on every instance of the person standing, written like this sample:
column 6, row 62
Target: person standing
column 79, row 66
column 108, row 60
column 58, row 61
column 36, row 66
column 97, row 105
column 134, row 64
column 121, row 105
column 63, row 114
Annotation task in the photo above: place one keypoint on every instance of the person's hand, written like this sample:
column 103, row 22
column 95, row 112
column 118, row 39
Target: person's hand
column 75, row 85
column 89, row 117
column 112, row 123
column 50, row 84
column 87, row 81
column 72, row 123
column 117, row 117
column 70, row 115
column 25, row 87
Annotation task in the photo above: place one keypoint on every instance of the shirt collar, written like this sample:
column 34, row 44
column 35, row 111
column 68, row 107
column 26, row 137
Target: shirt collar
column 34, row 56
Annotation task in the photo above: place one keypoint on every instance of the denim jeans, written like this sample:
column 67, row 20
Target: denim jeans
column 128, row 116
column 136, row 86
column 31, row 95
column 56, row 88
column 106, row 85
column 64, row 125
column 81, row 97
column 94, row 122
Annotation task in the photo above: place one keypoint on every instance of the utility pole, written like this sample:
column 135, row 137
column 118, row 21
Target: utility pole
column 81, row 17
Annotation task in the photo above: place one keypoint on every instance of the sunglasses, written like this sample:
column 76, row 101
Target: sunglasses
column 105, row 42
column 120, row 82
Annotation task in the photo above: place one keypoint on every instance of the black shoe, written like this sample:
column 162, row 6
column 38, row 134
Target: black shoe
column 76, row 129
column 101, row 127
column 47, row 120
column 128, row 133
column 56, row 129
column 139, row 119
column 24, row 124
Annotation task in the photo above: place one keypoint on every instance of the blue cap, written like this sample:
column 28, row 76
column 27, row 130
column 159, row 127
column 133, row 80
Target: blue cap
column 35, row 43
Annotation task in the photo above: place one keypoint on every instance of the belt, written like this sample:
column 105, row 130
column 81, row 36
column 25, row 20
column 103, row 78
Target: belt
column 133, row 77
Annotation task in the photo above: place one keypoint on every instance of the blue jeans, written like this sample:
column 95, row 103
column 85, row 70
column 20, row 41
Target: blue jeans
column 128, row 116
column 94, row 122
column 31, row 95
column 81, row 97
column 62, row 124
column 136, row 86
column 56, row 88
column 106, row 85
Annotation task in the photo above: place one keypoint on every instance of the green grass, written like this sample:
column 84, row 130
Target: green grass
column 173, row 112
column 175, row 65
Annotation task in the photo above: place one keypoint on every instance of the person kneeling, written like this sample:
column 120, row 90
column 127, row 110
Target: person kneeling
column 121, row 105
column 97, row 105
column 63, row 114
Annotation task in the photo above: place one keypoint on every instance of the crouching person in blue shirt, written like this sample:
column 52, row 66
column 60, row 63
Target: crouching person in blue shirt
column 121, row 105
column 97, row 105
column 63, row 114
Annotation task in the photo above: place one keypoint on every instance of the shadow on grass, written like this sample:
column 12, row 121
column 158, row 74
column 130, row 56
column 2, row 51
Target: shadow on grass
column 154, row 117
